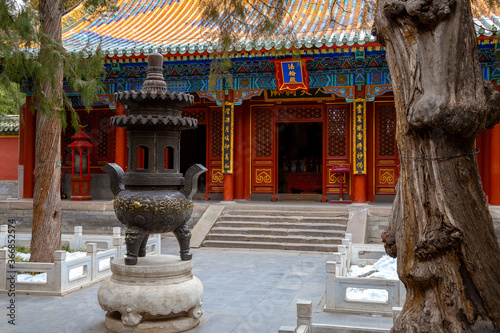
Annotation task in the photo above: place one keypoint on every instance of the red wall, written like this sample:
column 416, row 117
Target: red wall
column 9, row 157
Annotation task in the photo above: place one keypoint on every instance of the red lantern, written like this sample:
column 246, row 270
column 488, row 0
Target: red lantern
column 80, row 163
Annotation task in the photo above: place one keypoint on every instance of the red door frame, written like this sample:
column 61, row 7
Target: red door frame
column 276, row 121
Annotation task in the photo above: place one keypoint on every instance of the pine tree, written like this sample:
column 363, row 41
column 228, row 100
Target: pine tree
column 32, row 54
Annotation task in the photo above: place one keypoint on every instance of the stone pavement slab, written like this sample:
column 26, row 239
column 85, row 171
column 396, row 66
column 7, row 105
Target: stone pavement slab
column 246, row 291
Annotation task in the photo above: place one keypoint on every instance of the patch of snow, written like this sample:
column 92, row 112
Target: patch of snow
column 28, row 278
column 367, row 295
column 23, row 256
column 384, row 268
column 104, row 264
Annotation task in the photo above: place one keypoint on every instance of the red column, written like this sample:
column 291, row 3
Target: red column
column 121, row 140
column 495, row 166
column 359, row 191
column 28, row 149
column 239, row 154
column 228, row 194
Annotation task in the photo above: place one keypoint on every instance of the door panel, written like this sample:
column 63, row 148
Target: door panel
column 338, row 146
column 263, row 165
column 386, row 152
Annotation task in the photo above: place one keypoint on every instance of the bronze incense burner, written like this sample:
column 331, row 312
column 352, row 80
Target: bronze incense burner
column 153, row 196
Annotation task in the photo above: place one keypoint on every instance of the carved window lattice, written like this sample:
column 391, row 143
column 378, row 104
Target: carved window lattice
column 337, row 132
column 216, row 133
column 387, row 131
column 296, row 114
column 263, row 133
column 104, row 130
column 200, row 115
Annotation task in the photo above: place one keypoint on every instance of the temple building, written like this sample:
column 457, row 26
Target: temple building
column 299, row 116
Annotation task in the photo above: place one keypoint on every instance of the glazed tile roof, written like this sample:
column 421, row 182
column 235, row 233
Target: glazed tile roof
column 175, row 27
column 9, row 125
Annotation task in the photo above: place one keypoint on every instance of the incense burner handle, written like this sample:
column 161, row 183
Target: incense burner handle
column 115, row 173
column 191, row 177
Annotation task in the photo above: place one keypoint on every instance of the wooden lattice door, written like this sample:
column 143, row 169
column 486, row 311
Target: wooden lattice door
column 215, row 178
column 263, row 164
column 337, row 146
column 386, row 152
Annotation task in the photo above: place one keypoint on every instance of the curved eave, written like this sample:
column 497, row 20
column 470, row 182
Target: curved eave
column 175, row 27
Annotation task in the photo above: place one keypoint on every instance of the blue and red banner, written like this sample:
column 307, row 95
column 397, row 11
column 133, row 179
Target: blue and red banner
column 291, row 74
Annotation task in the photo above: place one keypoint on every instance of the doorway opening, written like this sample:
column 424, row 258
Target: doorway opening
column 194, row 150
column 300, row 157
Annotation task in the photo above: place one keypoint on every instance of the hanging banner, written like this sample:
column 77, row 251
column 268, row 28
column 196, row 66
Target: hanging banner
column 227, row 135
column 359, row 136
column 291, row 74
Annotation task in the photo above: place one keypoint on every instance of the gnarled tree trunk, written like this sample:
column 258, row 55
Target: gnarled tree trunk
column 46, row 233
column 441, row 230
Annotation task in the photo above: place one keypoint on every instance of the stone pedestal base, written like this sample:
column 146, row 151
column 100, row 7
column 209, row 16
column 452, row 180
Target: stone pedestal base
column 159, row 294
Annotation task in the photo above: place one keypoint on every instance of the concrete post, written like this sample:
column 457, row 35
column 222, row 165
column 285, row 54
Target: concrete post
column 158, row 245
column 77, row 238
column 331, row 275
column 92, row 252
column 343, row 251
column 4, row 230
column 304, row 314
column 58, row 278
column 117, row 244
column 4, row 261
column 396, row 311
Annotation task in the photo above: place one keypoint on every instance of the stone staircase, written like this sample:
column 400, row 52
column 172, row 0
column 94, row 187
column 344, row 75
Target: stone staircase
column 281, row 228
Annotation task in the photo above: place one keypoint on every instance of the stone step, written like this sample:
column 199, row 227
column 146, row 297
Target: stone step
column 308, row 213
column 270, row 245
column 285, row 225
column 279, row 232
column 287, row 219
column 273, row 239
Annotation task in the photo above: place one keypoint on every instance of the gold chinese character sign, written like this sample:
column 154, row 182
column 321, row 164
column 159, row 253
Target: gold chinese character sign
column 359, row 136
column 227, row 138
column 291, row 74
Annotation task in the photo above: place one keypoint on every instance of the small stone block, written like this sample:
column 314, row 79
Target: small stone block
column 337, row 257
column 304, row 309
column 287, row 329
column 396, row 311
column 4, row 228
column 59, row 255
column 3, row 254
column 117, row 241
column 91, row 247
column 331, row 267
column 78, row 229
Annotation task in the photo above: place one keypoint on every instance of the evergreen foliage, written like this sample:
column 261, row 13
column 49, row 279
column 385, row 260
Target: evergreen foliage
column 10, row 99
column 23, row 64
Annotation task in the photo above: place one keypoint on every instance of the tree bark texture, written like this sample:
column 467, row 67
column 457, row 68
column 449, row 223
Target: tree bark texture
column 440, row 230
column 46, row 233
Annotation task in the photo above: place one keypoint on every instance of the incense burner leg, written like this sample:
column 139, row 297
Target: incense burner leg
column 133, row 238
column 183, row 235
column 142, row 249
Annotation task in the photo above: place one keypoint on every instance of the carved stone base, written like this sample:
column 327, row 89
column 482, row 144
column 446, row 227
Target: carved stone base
column 159, row 294
column 161, row 326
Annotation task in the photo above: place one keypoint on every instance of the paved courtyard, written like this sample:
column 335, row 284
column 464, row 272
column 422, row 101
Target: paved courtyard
column 246, row 291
